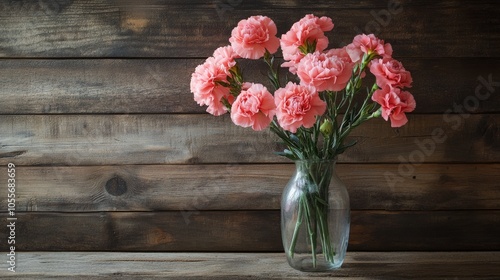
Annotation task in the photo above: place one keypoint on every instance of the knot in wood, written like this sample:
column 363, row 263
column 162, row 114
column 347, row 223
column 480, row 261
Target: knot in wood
column 116, row 186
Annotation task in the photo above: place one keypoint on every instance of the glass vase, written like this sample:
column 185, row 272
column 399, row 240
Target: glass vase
column 315, row 217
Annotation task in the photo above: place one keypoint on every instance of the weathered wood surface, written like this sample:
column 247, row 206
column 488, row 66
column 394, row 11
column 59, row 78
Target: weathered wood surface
column 93, row 86
column 247, row 187
column 158, row 139
column 248, row 231
column 169, row 178
column 230, row 266
column 112, row 29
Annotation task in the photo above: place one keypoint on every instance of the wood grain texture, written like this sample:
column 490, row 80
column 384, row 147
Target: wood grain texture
column 248, row 231
column 108, row 28
column 113, row 154
column 357, row 265
column 247, row 187
column 97, row 86
column 158, row 139
column 148, row 231
column 93, row 86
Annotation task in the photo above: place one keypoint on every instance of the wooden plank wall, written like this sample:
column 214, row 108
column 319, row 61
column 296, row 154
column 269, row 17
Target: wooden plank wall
column 112, row 153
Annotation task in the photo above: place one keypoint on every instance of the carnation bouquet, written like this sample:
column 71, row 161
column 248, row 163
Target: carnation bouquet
column 315, row 106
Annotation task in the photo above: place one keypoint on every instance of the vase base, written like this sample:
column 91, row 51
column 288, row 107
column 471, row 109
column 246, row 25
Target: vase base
column 306, row 264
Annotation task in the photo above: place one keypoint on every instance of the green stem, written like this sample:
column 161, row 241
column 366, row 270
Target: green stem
column 322, row 215
column 310, row 230
column 300, row 215
column 273, row 74
column 321, row 204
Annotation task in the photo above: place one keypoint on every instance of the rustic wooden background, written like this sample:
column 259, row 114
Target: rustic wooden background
column 112, row 153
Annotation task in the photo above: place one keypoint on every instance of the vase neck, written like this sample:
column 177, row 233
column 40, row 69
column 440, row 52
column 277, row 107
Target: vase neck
column 315, row 165
column 315, row 175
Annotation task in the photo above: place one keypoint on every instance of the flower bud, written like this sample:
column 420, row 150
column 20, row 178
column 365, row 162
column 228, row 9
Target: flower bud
column 377, row 113
column 326, row 128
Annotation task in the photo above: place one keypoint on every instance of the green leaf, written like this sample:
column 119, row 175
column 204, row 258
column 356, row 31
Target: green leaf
column 288, row 154
column 345, row 147
column 294, row 138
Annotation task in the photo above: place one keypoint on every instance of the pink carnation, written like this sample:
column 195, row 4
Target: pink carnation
column 368, row 44
column 253, row 36
column 390, row 72
column 225, row 57
column 340, row 53
column 307, row 30
column 297, row 105
column 395, row 103
column 325, row 71
column 205, row 88
column 253, row 107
